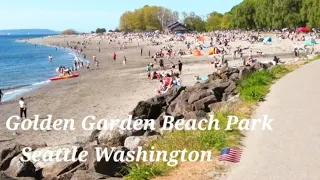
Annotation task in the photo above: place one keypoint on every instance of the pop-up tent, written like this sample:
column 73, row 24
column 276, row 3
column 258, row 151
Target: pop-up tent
column 303, row 29
column 310, row 42
column 197, row 53
column 267, row 39
column 211, row 51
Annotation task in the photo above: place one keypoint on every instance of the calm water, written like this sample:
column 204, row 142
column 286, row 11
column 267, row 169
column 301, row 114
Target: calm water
column 24, row 66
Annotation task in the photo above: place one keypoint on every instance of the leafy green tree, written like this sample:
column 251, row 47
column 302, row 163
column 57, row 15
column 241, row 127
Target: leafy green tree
column 214, row 21
column 195, row 23
column 101, row 30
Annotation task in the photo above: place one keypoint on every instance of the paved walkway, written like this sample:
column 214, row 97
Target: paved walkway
column 292, row 150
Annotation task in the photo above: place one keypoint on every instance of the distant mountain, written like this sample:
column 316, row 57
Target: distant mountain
column 27, row 31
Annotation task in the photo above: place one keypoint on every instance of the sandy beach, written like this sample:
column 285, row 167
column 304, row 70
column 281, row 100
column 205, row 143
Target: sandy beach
column 113, row 90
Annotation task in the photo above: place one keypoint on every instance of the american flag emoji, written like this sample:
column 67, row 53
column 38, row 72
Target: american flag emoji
column 231, row 155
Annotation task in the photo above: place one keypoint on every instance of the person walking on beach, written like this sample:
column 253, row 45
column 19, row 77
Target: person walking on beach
column 1, row 94
column 124, row 60
column 23, row 108
column 141, row 51
column 180, row 67
column 114, row 56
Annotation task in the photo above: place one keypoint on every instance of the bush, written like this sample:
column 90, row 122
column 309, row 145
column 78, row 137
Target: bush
column 69, row 32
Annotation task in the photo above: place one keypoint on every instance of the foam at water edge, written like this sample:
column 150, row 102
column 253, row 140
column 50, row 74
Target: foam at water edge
column 13, row 93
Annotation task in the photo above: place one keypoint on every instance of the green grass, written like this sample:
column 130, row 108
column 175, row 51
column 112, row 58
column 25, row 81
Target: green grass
column 255, row 86
column 213, row 140
column 252, row 89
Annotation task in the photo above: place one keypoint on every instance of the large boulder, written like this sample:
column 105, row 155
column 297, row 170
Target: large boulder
column 104, row 166
column 149, row 109
column 219, row 89
column 7, row 152
column 114, row 136
column 234, row 77
column 202, row 104
column 86, row 175
column 173, row 93
column 50, row 169
column 231, row 89
column 18, row 168
column 3, row 176
column 197, row 95
column 133, row 142
column 243, row 72
column 214, row 76
column 182, row 107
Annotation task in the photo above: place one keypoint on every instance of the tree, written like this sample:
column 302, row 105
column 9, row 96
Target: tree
column 101, row 30
column 310, row 14
column 195, row 23
column 226, row 21
column 148, row 18
column 214, row 21
column 69, row 32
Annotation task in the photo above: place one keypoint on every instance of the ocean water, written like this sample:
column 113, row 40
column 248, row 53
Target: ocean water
column 24, row 66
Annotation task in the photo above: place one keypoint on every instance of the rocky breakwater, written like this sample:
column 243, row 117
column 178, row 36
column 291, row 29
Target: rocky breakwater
column 179, row 102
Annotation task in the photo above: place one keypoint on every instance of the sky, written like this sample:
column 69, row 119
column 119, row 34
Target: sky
column 85, row 16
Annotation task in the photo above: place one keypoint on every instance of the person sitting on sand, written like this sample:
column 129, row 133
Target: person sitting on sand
column 168, row 81
column 177, row 80
column 162, row 88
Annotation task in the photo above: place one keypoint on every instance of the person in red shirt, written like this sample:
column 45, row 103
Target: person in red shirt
column 114, row 56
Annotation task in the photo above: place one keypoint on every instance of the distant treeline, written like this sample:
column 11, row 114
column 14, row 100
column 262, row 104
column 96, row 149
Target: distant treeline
column 249, row 14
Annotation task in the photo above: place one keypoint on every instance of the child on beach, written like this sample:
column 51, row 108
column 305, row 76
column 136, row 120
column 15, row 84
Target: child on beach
column 148, row 68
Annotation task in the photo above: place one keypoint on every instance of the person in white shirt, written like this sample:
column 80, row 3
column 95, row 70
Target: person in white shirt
column 23, row 108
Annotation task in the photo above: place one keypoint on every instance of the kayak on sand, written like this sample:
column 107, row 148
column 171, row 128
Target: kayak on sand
column 64, row 77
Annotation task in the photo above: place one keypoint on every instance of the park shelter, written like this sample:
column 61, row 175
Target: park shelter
column 267, row 40
column 177, row 28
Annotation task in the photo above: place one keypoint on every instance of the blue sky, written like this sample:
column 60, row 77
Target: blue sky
column 84, row 15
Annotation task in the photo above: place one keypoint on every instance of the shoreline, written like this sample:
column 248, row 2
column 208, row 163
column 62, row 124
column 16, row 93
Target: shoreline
column 16, row 91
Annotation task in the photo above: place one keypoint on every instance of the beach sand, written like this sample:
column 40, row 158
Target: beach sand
column 111, row 91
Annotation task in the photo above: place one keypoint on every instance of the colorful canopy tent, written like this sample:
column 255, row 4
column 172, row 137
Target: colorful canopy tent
column 211, row 51
column 201, row 38
column 303, row 29
column 197, row 53
column 267, row 39
column 310, row 42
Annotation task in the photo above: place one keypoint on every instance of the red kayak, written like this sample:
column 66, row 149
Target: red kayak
column 64, row 77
